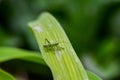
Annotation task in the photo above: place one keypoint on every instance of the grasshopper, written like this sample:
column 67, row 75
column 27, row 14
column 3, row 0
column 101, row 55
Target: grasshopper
column 52, row 46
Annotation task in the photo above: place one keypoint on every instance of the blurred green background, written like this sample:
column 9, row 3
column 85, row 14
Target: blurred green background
column 93, row 27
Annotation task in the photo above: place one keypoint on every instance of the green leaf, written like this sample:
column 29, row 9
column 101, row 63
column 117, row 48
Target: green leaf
column 57, row 50
column 92, row 76
column 7, row 54
column 5, row 76
column 31, row 61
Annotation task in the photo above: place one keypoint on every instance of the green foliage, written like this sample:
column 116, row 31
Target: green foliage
column 92, row 76
column 7, row 53
column 52, row 58
column 93, row 27
column 23, row 55
column 5, row 76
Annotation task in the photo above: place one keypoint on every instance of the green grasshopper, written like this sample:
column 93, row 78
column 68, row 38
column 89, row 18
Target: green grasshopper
column 51, row 46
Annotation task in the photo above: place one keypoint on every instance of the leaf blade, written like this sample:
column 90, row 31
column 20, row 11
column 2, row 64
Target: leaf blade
column 5, row 76
column 92, row 76
column 7, row 53
column 63, row 62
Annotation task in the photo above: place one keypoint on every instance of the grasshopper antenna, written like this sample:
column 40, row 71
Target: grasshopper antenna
column 46, row 40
